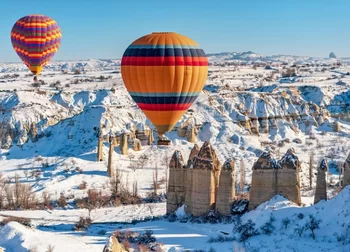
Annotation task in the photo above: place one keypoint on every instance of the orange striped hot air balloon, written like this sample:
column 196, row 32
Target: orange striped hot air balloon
column 36, row 39
column 164, row 72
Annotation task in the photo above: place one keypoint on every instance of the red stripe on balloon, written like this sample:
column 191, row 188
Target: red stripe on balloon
column 163, row 107
column 164, row 61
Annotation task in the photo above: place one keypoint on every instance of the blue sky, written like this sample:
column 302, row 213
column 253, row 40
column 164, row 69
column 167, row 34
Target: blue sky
column 104, row 28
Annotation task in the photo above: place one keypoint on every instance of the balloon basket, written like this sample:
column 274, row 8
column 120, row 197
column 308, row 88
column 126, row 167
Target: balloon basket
column 164, row 142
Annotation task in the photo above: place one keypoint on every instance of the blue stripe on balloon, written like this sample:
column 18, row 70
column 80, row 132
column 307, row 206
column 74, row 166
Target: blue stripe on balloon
column 163, row 52
column 165, row 94
column 162, row 46
column 164, row 100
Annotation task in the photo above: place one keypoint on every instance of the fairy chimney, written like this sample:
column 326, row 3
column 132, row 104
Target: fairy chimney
column 206, row 170
column 150, row 138
column 346, row 176
column 110, row 157
column 226, row 191
column 191, row 135
column 176, row 184
column 137, row 145
column 271, row 178
column 321, row 182
column 288, row 179
column 189, row 179
column 123, row 144
column 100, row 149
column 263, row 186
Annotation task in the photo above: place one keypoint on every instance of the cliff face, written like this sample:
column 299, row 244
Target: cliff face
column 271, row 177
column 31, row 115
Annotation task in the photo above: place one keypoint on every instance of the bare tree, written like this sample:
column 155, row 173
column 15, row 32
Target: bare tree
column 141, row 162
column 115, row 184
column 311, row 167
column 340, row 172
column 166, row 161
column 155, row 180
column 242, row 176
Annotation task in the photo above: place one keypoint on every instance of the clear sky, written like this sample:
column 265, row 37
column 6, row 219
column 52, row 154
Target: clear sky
column 103, row 29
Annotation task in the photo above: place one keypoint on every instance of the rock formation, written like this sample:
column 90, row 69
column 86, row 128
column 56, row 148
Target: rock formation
column 137, row 145
column 189, row 179
column 321, row 182
column 332, row 55
column 270, row 178
column 100, row 149
column 150, row 138
column 113, row 246
column 205, row 173
column 110, row 168
column 226, row 191
column 191, row 135
column 176, row 184
column 123, row 144
column 346, row 176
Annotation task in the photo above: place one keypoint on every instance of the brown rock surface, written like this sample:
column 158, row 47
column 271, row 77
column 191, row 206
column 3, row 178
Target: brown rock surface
column 176, row 184
column 321, row 182
column 271, row 178
column 226, row 191
column 206, row 170
column 346, row 177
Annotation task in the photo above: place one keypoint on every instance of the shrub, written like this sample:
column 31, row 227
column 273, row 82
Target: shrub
column 21, row 220
column 82, row 224
column 312, row 225
column 268, row 227
column 247, row 230
column 285, row 222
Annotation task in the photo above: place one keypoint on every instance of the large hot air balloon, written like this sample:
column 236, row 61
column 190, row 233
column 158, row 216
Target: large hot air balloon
column 36, row 39
column 164, row 72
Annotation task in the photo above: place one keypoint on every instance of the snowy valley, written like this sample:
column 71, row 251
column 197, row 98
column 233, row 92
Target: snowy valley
column 250, row 104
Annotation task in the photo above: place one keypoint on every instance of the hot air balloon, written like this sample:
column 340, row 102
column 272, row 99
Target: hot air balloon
column 164, row 72
column 36, row 39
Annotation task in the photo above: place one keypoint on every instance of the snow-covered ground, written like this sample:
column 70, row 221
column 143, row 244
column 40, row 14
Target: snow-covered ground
column 67, row 110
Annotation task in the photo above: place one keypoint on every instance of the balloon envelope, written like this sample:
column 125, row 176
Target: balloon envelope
column 164, row 73
column 36, row 39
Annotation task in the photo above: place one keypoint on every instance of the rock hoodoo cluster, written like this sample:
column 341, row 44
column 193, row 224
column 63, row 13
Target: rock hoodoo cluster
column 271, row 177
column 202, row 184
column 135, row 138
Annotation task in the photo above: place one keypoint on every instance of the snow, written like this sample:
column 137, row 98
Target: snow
column 68, row 119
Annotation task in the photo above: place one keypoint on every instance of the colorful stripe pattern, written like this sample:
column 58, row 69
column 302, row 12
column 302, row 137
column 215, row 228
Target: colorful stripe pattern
column 36, row 39
column 164, row 73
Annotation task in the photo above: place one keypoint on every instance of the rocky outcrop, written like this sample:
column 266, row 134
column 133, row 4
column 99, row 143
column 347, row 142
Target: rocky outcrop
column 321, row 182
column 113, row 246
column 226, row 191
column 176, row 184
column 346, row 176
column 270, row 178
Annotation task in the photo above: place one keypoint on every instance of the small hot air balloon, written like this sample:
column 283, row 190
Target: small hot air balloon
column 164, row 72
column 36, row 39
